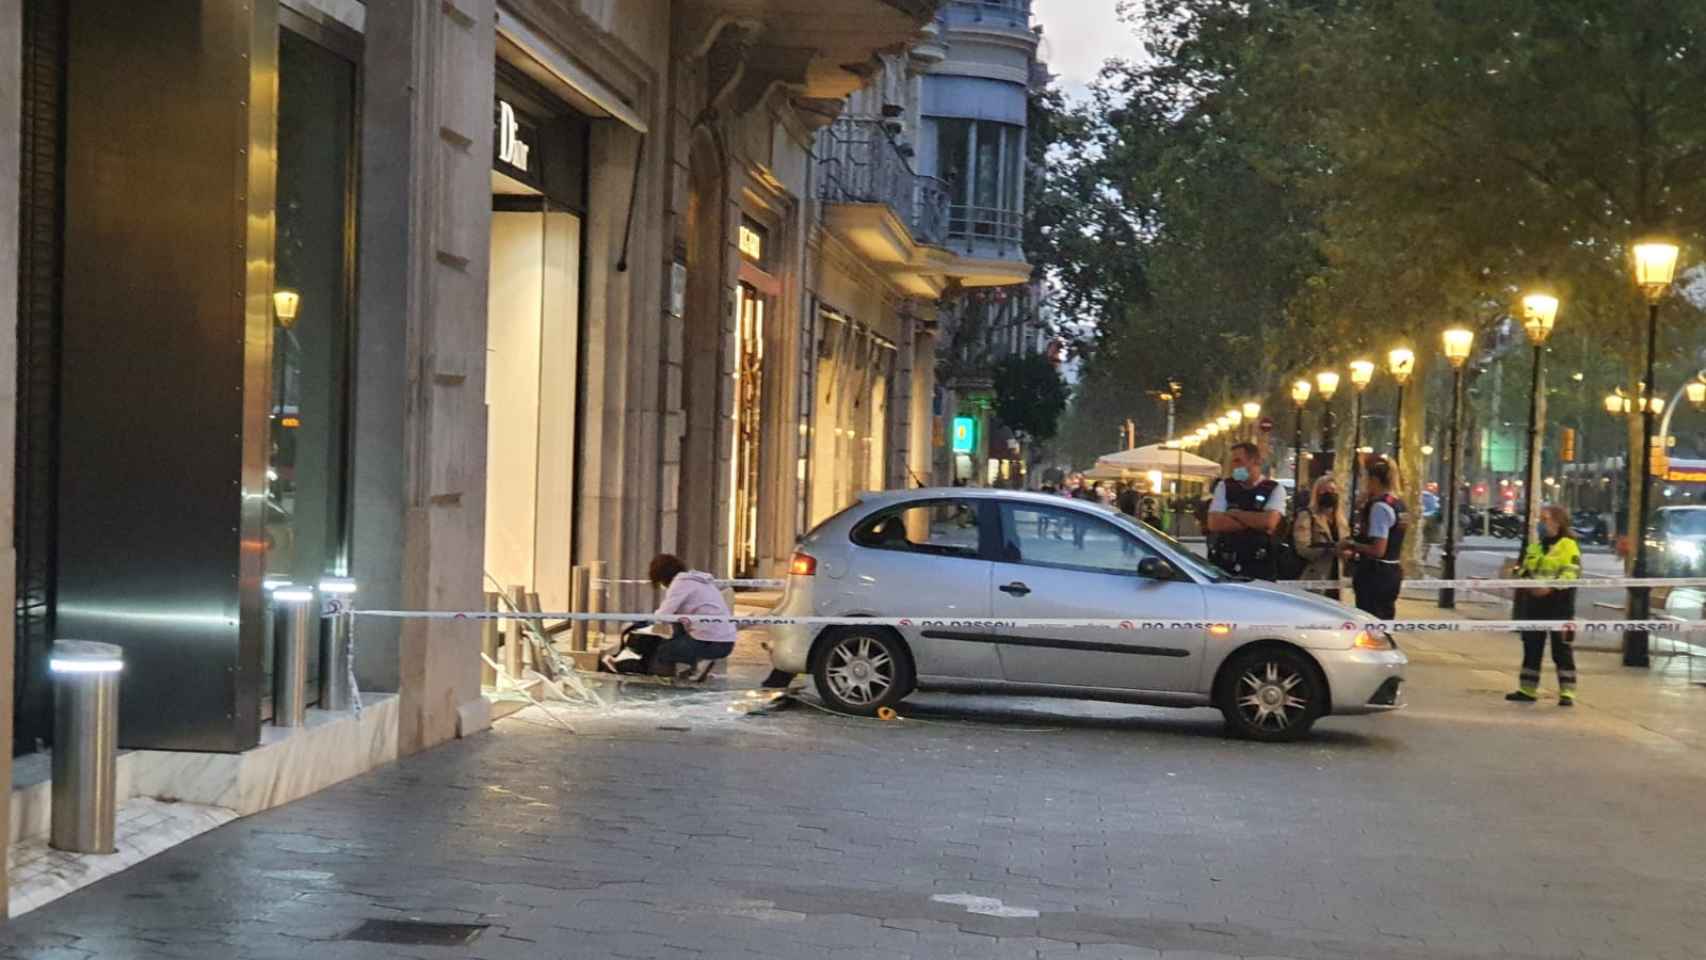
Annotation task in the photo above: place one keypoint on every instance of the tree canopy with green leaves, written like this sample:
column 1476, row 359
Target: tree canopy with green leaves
column 1029, row 395
column 1311, row 180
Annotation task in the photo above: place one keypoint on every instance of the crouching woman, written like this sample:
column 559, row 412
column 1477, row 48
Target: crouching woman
column 696, row 646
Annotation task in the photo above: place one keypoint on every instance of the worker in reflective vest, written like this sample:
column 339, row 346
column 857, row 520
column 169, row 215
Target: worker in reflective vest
column 1555, row 556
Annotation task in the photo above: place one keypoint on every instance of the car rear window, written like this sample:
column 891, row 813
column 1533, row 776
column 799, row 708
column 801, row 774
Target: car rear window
column 947, row 528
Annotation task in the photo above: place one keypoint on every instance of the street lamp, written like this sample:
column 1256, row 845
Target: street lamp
column 1362, row 373
column 1696, row 390
column 1327, row 384
column 1300, row 397
column 1458, row 342
column 1539, row 313
column 1400, row 362
column 1655, row 267
column 1251, row 411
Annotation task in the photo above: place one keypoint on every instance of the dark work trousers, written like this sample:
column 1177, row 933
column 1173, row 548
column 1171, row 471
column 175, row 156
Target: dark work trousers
column 1557, row 605
column 1563, row 656
column 1377, row 584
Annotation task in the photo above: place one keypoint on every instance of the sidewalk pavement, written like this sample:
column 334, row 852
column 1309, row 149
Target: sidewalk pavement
column 1462, row 828
column 1661, row 699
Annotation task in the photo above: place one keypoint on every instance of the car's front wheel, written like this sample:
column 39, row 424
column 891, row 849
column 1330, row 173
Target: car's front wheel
column 1271, row 694
column 863, row 670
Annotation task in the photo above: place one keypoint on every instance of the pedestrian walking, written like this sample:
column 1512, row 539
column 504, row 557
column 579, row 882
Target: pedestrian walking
column 1556, row 556
column 1377, row 546
column 1127, row 500
column 1245, row 513
column 1316, row 533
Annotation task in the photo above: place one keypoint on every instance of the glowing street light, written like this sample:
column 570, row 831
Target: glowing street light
column 1539, row 313
column 1655, row 267
column 1458, row 342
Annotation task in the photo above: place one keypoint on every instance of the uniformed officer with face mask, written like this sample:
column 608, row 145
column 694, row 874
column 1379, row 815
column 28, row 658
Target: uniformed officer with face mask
column 1246, row 511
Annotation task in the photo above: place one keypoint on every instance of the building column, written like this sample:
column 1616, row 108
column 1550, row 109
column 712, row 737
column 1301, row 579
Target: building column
column 11, row 81
column 448, row 167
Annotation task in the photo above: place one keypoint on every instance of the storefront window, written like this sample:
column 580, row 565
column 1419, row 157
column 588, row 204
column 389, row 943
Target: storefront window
column 305, row 526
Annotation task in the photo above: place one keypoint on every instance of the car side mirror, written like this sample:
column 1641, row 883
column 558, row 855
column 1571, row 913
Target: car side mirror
column 1155, row 568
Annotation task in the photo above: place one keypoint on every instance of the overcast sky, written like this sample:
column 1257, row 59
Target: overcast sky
column 1078, row 35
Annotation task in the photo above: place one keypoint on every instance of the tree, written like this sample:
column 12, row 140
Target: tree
column 1029, row 395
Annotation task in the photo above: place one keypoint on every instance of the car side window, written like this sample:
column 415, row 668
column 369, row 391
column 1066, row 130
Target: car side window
column 944, row 528
column 1069, row 539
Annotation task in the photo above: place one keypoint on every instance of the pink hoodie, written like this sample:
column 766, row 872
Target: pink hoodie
column 696, row 593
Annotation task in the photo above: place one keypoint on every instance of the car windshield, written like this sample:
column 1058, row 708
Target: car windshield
column 1183, row 552
column 1685, row 523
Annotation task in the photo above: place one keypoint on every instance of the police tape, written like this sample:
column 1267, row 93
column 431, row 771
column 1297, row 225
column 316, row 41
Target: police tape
column 962, row 624
column 754, row 583
column 1504, row 583
column 1464, row 583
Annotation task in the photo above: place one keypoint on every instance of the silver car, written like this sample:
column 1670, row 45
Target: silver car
column 1271, row 658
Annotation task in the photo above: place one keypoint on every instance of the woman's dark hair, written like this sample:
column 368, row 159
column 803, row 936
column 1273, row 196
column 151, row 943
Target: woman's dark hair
column 664, row 568
column 1380, row 470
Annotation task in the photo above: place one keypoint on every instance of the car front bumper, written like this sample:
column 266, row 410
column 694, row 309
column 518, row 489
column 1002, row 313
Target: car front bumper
column 1364, row 681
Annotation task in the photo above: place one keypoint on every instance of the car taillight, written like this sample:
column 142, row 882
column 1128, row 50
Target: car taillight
column 803, row 565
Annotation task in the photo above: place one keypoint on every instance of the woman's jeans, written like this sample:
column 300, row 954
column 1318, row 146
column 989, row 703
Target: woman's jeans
column 683, row 647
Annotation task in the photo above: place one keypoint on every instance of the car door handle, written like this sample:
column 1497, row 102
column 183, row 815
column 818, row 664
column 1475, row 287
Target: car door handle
column 1015, row 588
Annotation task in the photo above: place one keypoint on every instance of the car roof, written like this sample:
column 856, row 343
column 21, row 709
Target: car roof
column 875, row 497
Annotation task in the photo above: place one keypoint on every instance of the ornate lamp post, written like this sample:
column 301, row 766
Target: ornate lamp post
column 1655, row 266
column 1539, row 312
column 1458, row 342
column 1401, row 362
column 1300, row 398
column 1327, row 384
column 1362, row 373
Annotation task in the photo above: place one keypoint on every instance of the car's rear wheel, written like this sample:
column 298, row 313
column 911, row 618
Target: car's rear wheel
column 862, row 670
column 1271, row 693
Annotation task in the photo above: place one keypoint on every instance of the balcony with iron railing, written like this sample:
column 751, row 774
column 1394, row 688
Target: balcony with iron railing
column 972, row 225
column 860, row 162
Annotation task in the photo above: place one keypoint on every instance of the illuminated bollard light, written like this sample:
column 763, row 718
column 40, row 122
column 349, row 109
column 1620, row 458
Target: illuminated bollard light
column 85, row 744
column 293, row 608
column 336, row 685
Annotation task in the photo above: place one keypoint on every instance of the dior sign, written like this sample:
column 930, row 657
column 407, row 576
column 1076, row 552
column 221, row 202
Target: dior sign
column 512, row 149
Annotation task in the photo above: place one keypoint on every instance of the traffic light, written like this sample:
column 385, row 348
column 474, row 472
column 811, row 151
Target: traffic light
column 1567, row 446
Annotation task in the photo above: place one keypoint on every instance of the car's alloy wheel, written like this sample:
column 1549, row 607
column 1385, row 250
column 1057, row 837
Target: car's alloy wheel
column 863, row 671
column 1271, row 694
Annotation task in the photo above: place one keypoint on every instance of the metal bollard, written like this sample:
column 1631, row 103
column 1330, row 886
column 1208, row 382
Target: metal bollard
column 338, row 594
column 517, row 630
column 489, row 643
column 580, row 601
column 85, row 744
column 597, row 595
column 294, row 606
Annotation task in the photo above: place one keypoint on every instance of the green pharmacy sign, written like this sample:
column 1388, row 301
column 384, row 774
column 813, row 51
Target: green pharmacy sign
column 965, row 434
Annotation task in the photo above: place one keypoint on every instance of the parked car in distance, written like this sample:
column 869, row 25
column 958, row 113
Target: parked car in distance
column 969, row 567
column 1590, row 527
column 1678, row 536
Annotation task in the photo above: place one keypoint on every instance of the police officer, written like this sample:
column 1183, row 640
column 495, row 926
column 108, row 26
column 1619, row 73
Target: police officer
column 1378, row 545
column 1245, row 513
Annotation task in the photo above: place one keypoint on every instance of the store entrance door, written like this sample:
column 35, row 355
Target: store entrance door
column 532, row 343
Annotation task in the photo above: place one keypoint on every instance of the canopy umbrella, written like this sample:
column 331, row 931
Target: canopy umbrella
column 1170, row 463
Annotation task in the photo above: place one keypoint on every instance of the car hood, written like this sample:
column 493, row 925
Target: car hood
column 1266, row 602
